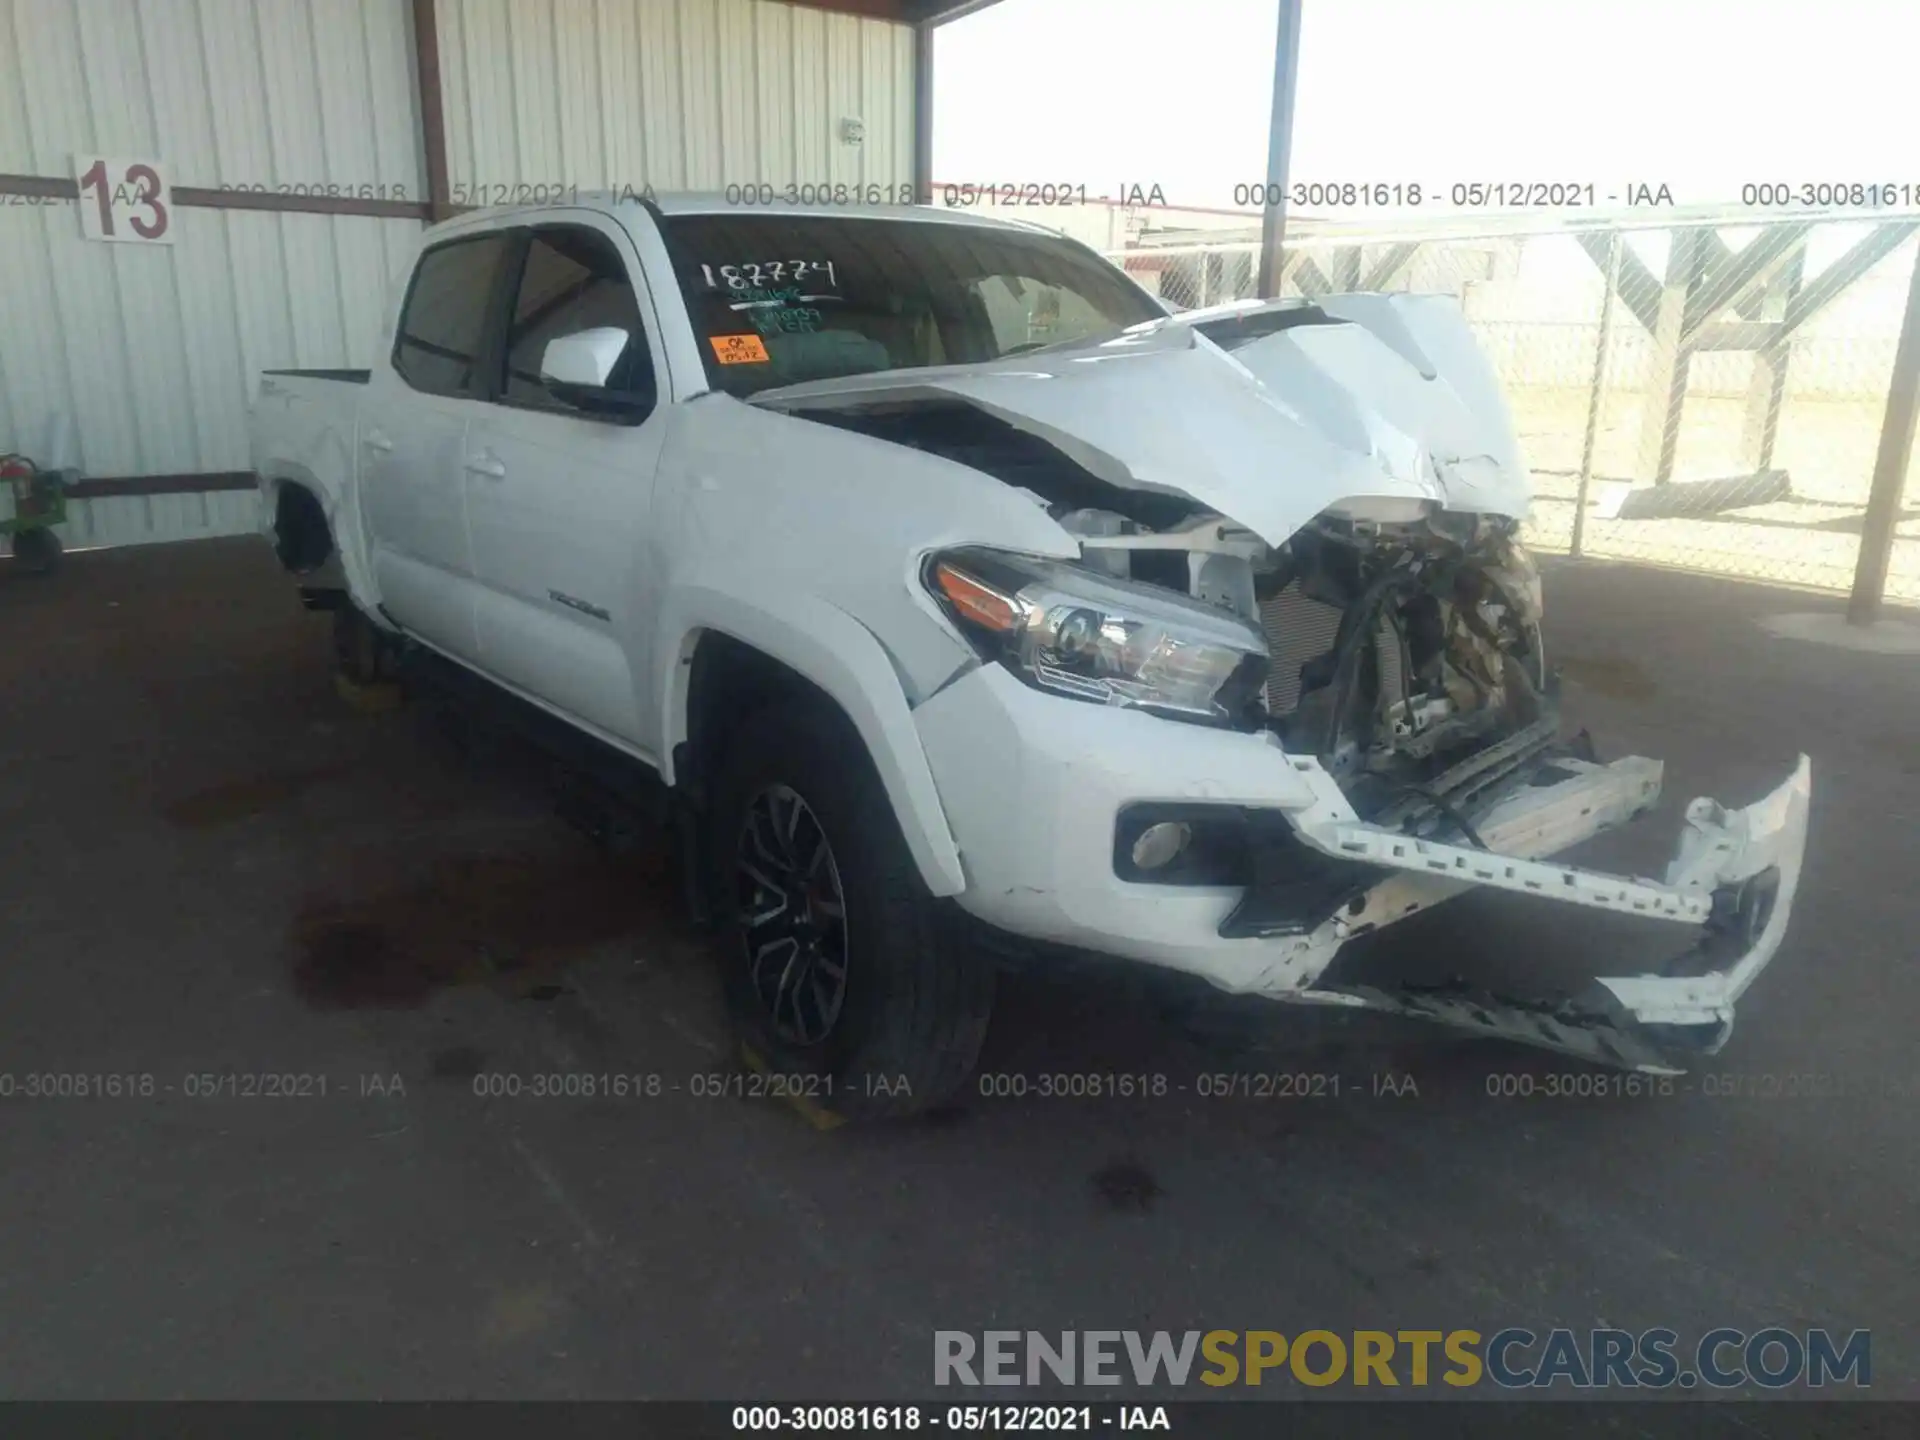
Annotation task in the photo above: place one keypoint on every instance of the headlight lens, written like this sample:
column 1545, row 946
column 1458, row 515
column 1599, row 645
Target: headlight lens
column 1097, row 638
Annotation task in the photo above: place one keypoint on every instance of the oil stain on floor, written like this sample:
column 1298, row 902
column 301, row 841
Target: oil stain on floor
column 1126, row 1185
column 508, row 920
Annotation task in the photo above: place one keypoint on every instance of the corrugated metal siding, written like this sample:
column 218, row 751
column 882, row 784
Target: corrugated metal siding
column 154, row 351
column 677, row 94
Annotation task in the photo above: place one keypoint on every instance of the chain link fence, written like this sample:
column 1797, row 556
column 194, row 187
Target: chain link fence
column 1707, row 395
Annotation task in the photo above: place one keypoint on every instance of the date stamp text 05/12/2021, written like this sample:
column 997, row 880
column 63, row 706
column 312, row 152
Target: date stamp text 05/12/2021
column 1277, row 1085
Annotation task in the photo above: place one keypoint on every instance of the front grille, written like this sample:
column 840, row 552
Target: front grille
column 1300, row 629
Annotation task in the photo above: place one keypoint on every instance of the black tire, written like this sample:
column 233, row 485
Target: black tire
column 37, row 552
column 916, row 999
column 361, row 650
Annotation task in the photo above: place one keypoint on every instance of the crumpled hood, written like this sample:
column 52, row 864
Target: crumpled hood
column 1398, row 402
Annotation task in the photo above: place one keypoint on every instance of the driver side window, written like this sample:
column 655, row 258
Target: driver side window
column 573, row 281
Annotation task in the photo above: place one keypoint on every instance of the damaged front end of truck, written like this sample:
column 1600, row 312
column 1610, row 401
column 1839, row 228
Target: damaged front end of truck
column 1342, row 490
column 1407, row 660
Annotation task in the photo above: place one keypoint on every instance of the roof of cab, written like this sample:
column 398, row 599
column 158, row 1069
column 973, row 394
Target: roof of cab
column 715, row 202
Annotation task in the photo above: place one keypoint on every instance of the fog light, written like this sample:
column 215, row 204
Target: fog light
column 1158, row 845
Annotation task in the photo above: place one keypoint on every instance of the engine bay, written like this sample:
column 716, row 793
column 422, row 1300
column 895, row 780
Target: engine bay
column 1404, row 640
column 1405, row 653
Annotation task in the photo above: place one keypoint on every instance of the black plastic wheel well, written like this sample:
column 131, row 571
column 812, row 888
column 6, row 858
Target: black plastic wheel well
column 302, row 538
column 732, row 681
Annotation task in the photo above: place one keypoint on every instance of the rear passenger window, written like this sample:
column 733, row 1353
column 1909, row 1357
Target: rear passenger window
column 574, row 282
column 443, row 326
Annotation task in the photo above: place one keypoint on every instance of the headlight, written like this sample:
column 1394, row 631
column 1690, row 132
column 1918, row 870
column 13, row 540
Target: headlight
column 1097, row 638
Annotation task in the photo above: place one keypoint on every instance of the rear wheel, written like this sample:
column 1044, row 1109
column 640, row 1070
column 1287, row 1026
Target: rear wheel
column 37, row 551
column 839, row 968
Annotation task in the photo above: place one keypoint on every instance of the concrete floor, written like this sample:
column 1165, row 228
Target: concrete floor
column 213, row 866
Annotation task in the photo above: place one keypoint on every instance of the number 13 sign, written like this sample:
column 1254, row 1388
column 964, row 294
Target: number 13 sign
column 124, row 200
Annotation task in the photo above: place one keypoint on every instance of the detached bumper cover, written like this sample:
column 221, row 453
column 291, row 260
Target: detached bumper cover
column 1734, row 877
column 1749, row 860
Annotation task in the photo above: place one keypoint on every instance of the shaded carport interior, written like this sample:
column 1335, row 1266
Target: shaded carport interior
column 222, row 871
column 201, row 834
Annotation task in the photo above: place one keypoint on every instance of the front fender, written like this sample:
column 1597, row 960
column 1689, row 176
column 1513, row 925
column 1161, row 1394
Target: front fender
column 841, row 656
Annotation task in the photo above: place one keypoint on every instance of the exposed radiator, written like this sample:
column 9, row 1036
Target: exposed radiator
column 1299, row 630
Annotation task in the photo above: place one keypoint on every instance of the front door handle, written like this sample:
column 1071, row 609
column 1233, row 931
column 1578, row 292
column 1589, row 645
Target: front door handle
column 485, row 463
column 375, row 440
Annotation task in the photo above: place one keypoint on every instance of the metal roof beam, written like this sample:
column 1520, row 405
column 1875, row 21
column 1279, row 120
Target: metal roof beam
column 1824, row 288
column 1733, row 275
column 940, row 12
column 893, row 10
column 1387, row 269
column 900, row 12
column 1634, row 284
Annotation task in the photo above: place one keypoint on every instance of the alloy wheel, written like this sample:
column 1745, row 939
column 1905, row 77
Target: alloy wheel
column 793, row 915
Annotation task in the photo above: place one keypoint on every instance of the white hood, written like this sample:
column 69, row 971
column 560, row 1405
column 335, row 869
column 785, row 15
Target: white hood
column 1398, row 403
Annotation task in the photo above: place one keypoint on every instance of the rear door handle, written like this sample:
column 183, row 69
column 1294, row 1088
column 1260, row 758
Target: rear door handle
column 376, row 440
column 486, row 464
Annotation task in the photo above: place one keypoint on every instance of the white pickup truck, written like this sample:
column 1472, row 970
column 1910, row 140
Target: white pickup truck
column 955, row 599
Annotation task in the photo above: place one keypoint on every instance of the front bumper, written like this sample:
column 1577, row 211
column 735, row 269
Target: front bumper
column 1033, row 786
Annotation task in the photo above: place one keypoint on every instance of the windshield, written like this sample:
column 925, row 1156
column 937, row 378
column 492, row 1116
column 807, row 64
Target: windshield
column 782, row 299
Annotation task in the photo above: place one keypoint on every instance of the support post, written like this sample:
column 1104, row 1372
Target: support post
column 1344, row 264
column 1767, row 389
column 1273, row 214
column 923, row 112
column 1598, row 396
column 1890, row 465
column 433, row 114
column 1666, row 392
column 1389, row 266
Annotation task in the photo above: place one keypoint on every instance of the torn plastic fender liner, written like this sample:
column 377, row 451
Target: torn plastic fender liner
column 1735, row 875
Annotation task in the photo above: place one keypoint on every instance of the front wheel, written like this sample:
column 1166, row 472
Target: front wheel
column 841, row 971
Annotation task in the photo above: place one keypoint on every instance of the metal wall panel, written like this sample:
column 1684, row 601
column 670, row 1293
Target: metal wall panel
column 147, row 356
column 676, row 94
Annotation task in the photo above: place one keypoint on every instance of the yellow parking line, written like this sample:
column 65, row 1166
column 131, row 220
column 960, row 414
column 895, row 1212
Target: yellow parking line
column 374, row 699
column 802, row 1105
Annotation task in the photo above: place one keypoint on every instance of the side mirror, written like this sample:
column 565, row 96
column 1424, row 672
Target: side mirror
column 575, row 369
column 585, row 358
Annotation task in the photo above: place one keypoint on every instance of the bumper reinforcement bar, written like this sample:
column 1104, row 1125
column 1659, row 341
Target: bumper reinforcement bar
column 1734, row 876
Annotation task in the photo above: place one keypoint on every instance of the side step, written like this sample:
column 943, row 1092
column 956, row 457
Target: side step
column 615, row 799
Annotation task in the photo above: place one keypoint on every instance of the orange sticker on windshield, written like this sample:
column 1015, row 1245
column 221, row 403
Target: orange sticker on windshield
column 739, row 349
